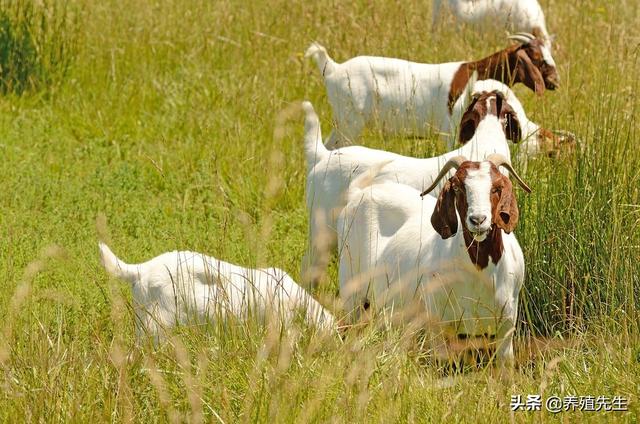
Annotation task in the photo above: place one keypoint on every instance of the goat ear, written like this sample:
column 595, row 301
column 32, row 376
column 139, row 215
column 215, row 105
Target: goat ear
column 530, row 75
column 468, row 123
column 509, row 119
column 507, row 214
column 444, row 218
column 468, row 126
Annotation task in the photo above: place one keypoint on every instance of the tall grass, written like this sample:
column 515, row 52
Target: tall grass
column 37, row 44
column 169, row 123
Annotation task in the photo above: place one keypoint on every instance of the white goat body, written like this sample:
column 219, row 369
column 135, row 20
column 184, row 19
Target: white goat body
column 403, row 96
column 391, row 257
column 180, row 287
column 512, row 15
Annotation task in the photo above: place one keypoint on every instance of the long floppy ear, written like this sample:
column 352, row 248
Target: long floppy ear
column 469, row 122
column 509, row 119
column 529, row 74
column 507, row 214
column 444, row 218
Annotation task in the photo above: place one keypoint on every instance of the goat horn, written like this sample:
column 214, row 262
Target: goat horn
column 523, row 37
column 453, row 162
column 499, row 160
column 526, row 34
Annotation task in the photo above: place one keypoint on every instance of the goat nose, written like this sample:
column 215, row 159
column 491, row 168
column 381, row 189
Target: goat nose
column 477, row 219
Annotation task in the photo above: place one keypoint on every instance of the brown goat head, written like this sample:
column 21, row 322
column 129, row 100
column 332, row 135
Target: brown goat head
column 489, row 103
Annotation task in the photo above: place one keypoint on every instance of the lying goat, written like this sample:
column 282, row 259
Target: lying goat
column 329, row 172
column 180, row 287
column 517, row 15
column 402, row 96
column 463, row 273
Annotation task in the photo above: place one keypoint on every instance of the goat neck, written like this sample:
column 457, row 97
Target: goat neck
column 481, row 251
column 499, row 66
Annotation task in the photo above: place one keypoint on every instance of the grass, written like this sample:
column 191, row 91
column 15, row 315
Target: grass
column 37, row 43
column 170, row 123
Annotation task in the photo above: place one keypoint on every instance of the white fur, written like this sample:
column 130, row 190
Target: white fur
column 400, row 96
column 181, row 287
column 478, row 185
column 391, row 257
column 329, row 173
column 512, row 15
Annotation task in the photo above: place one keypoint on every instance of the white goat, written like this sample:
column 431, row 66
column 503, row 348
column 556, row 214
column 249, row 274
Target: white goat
column 407, row 97
column 516, row 15
column 454, row 259
column 180, row 287
column 329, row 172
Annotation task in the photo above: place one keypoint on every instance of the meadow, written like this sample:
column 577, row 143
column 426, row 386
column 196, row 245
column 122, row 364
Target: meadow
column 176, row 125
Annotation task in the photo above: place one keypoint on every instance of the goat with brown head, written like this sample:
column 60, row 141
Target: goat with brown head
column 533, row 64
column 489, row 103
column 483, row 198
column 528, row 62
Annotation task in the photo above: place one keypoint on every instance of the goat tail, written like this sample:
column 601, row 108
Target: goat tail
column 115, row 266
column 320, row 55
column 314, row 149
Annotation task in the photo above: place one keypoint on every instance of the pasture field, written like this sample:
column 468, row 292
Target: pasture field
column 177, row 126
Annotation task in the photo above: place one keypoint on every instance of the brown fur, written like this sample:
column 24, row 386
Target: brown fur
column 537, row 32
column 518, row 63
column 480, row 252
column 444, row 218
column 471, row 118
column 553, row 145
column 504, row 211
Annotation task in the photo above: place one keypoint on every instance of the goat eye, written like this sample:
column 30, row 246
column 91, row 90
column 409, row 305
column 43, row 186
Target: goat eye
column 497, row 190
column 456, row 188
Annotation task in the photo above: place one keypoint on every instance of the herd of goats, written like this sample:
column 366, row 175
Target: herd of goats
column 428, row 241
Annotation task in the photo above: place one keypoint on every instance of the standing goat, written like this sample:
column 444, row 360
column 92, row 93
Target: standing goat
column 512, row 15
column 329, row 172
column 180, row 287
column 463, row 273
column 409, row 97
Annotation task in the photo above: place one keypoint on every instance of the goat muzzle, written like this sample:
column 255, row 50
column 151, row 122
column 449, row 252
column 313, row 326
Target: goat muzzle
column 552, row 82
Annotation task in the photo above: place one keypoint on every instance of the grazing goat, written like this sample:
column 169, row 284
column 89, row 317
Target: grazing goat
column 402, row 96
column 329, row 172
column 534, row 138
column 179, row 287
column 513, row 15
column 463, row 273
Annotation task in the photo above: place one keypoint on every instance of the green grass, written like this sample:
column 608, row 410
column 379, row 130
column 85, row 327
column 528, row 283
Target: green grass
column 37, row 44
column 166, row 123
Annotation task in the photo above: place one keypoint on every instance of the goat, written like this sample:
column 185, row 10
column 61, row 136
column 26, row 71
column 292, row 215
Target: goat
column 533, row 139
column 403, row 96
column 516, row 15
column 179, row 287
column 330, row 171
column 467, row 281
